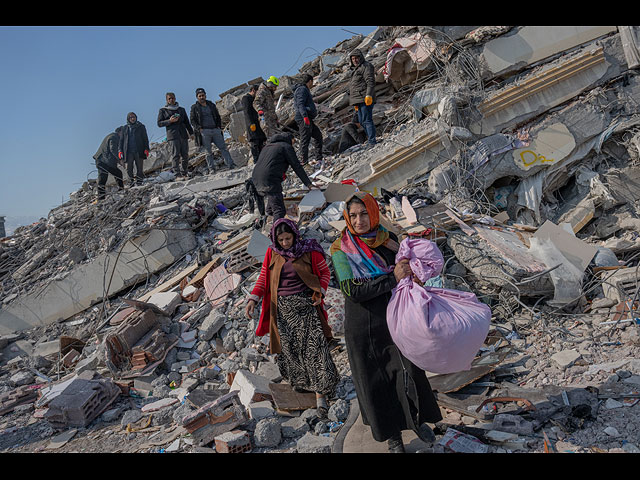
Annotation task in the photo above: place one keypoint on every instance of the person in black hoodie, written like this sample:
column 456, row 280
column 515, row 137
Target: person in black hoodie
column 305, row 112
column 255, row 134
column 134, row 147
column 174, row 118
column 269, row 172
column 107, row 161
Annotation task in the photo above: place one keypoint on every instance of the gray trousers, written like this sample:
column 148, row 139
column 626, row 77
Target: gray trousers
column 215, row 136
column 179, row 149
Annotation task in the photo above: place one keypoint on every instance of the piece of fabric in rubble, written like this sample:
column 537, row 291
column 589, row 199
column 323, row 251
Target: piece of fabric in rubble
column 439, row 330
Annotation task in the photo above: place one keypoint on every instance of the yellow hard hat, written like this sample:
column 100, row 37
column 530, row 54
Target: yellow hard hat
column 273, row 80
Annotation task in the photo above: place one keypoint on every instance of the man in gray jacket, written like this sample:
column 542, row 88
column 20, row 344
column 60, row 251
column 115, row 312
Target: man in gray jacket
column 362, row 92
column 174, row 118
column 106, row 159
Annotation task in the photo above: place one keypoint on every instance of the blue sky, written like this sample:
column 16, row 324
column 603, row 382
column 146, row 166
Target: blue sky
column 65, row 88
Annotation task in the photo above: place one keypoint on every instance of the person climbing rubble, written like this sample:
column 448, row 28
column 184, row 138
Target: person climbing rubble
column 306, row 112
column 293, row 281
column 207, row 126
column 255, row 135
column 269, row 172
column 362, row 92
column 179, row 130
column 107, row 162
column 134, row 148
column 264, row 104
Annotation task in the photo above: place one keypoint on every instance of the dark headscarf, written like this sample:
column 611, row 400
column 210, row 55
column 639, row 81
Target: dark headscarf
column 300, row 245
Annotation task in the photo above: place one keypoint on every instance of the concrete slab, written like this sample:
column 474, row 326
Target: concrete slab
column 549, row 147
column 534, row 43
column 87, row 283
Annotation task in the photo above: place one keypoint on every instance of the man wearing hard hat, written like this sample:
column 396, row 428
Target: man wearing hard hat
column 265, row 106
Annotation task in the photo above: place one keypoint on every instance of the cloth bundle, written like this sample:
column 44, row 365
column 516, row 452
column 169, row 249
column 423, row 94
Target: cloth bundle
column 439, row 330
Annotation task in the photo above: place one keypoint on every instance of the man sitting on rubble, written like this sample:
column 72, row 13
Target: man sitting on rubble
column 269, row 172
column 352, row 134
column 107, row 162
column 174, row 118
column 362, row 92
column 207, row 125
column 305, row 113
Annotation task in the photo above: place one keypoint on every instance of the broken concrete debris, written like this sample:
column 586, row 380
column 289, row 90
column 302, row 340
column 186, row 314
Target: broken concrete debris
column 515, row 148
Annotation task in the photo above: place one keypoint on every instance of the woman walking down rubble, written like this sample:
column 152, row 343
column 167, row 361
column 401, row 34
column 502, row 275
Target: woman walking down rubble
column 393, row 394
column 293, row 281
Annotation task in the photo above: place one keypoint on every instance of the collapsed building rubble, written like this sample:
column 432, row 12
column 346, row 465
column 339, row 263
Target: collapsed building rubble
column 515, row 149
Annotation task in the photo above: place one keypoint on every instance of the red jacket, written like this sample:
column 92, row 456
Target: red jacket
column 262, row 288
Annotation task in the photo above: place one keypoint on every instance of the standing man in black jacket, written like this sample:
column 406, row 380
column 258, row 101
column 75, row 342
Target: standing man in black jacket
column 134, row 147
column 269, row 172
column 107, row 162
column 207, row 125
column 255, row 134
column 174, row 118
column 362, row 92
column 306, row 111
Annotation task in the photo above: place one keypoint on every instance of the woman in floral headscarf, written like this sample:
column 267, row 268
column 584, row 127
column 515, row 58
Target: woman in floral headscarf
column 293, row 281
column 393, row 394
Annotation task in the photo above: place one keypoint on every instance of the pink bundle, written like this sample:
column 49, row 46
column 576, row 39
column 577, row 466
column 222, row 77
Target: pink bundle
column 439, row 330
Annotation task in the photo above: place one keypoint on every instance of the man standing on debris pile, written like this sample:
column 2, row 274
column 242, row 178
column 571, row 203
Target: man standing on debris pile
column 362, row 92
column 174, row 118
column 134, row 147
column 269, row 172
column 107, row 162
column 264, row 104
column 306, row 111
column 207, row 125
column 255, row 135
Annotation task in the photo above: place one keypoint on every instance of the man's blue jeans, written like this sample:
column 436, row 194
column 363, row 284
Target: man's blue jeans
column 365, row 118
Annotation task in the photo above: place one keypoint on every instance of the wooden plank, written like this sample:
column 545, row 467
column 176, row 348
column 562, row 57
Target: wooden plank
column 172, row 282
column 288, row 400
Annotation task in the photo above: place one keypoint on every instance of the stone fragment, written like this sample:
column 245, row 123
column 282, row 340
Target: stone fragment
column 311, row 443
column 565, row 358
column 268, row 433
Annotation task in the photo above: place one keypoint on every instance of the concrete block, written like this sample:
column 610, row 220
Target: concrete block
column 260, row 410
column 311, row 443
column 251, row 387
column 233, row 442
column 162, row 210
column 167, row 301
column 565, row 358
column 211, row 325
column 270, row 371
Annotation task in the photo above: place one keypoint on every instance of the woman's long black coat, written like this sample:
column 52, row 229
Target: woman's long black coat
column 393, row 394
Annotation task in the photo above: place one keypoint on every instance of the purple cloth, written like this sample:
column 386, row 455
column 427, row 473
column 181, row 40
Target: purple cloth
column 290, row 281
column 300, row 245
column 439, row 330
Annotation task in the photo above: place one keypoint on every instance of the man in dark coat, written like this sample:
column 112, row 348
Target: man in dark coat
column 269, row 172
column 255, row 134
column 305, row 112
column 174, row 118
column 107, row 161
column 352, row 134
column 362, row 92
column 207, row 125
column 134, row 147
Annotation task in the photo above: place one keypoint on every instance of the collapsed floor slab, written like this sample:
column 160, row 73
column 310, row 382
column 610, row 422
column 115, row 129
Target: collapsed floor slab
column 104, row 276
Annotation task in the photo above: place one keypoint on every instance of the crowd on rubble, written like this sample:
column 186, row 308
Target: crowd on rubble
column 279, row 316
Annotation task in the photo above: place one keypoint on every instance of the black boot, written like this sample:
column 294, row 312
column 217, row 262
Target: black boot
column 425, row 433
column 395, row 444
